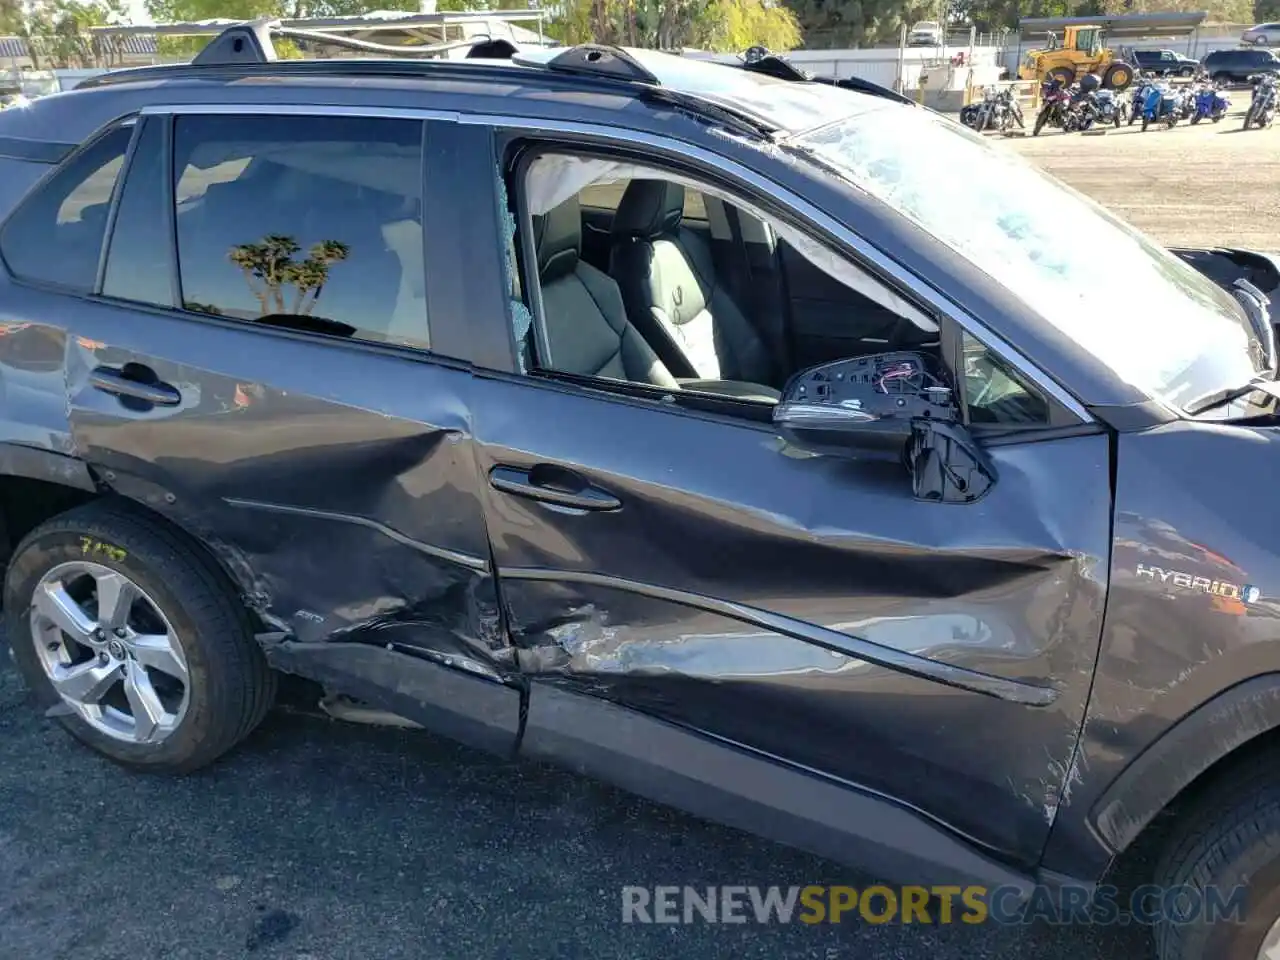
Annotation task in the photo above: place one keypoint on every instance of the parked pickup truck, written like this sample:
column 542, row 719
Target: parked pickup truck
column 1165, row 63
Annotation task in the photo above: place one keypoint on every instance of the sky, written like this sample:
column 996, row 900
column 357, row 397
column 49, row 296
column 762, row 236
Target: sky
column 138, row 12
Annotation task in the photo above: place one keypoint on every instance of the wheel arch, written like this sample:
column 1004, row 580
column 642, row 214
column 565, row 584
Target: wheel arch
column 1215, row 736
column 37, row 484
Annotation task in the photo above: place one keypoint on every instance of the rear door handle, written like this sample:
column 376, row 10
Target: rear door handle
column 552, row 484
column 138, row 383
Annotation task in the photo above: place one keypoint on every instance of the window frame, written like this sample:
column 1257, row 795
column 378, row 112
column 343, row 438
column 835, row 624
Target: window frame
column 521, row 149
column 42, row 184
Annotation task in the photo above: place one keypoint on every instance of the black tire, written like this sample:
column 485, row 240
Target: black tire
column 1065, row 75
column 230, row 685
column 1146, row 121
column 1195, row 118
column 1248, row 118
column 1118, row 76
column 1187, row 72
column 1041, row 117
column 1229, row 838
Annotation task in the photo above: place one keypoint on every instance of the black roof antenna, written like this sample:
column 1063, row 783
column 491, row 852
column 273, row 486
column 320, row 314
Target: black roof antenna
column 242, row 43
column 761, row 60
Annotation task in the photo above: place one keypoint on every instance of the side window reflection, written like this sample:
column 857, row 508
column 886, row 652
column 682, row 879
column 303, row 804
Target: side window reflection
column 307, row 223
column 995, row 392
column 56, row 235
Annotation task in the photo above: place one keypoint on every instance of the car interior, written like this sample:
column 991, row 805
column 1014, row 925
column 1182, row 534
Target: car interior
column 648, row 280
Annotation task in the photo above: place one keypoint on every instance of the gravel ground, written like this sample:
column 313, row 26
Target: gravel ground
column 1203, row 185
column 319, row 841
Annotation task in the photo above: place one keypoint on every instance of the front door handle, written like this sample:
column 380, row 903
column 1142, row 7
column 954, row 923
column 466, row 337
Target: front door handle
column 137, row 383
column 554, row 485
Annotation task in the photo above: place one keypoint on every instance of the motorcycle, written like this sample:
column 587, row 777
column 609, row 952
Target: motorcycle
column 1085, row 111
column 1162, row 104
column 998, row 110
column 1262, row 109
column 1140, row 93
column 1055, row 109
column 1210, row 103
column 1111, row 108
column 979, row 115
column 1008, row 110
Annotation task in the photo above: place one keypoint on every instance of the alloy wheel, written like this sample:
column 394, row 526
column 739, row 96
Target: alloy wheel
column 110, row 652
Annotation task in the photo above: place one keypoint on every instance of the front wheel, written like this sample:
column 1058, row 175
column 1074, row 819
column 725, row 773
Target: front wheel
column 1248, row 119
column 1117, row 77
column 136, row 638
column 1041, row 119
column 1146, row 122
column 1225, row 853
column 1195, row 118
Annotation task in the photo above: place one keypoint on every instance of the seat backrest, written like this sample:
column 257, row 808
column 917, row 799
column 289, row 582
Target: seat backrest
column 586, row 324
column 670, row 289
column 409, row 314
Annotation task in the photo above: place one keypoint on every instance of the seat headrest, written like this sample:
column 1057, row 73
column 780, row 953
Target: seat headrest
column 557, row 236
column 649, row 209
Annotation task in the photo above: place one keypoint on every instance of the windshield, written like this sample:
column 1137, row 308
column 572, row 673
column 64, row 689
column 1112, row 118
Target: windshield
column 1160, row 325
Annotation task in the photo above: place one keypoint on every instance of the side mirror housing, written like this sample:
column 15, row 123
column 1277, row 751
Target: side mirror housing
column 889, row 404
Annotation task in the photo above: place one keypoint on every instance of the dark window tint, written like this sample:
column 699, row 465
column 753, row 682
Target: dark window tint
column 996, row 393
column 139, row 257
column 55, row 236
column 311, row 223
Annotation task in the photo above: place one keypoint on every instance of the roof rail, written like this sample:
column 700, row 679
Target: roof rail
column 252, row 42
column 761, row 60
column 243, row 43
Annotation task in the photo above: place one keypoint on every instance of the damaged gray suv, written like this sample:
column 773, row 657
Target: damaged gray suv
column 748, row 439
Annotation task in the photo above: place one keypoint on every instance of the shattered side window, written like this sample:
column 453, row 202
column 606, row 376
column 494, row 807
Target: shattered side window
column 521, row 316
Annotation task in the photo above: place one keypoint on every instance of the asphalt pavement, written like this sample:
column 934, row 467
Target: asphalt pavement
column 321, row 840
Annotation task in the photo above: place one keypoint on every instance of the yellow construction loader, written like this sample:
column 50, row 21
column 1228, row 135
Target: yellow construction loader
column 1080, row 52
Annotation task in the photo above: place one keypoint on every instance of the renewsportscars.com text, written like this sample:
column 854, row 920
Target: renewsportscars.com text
column 878, row 904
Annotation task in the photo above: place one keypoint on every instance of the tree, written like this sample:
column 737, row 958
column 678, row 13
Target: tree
column 56, row 31
column 269, row 267
column 731, row 25
column 10, row 18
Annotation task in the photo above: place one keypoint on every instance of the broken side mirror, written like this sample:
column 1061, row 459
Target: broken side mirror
column 946, row 464
column 889, row 403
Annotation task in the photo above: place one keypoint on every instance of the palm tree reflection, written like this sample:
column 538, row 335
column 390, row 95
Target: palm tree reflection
column 269, row 267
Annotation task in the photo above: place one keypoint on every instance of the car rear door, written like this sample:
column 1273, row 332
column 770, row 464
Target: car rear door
column 692, row 566
column 278, row 384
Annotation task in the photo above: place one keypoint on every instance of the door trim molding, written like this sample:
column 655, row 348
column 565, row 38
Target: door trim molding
column 899, row 661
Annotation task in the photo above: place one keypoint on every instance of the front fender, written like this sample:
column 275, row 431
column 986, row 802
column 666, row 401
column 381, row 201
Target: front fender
column 1192, row 746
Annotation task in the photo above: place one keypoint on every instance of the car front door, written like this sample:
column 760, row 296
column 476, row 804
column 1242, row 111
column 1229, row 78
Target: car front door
column 695, row 567
column 277, row 384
